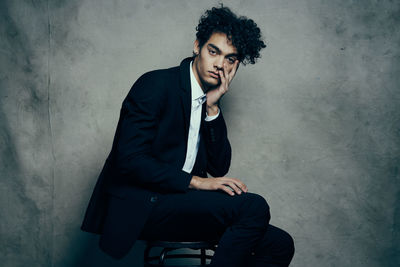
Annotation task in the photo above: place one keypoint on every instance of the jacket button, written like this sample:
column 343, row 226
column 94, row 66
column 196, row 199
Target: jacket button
column 153, row 199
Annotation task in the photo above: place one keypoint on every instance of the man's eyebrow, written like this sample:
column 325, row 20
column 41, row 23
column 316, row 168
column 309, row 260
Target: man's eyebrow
column 219, row 51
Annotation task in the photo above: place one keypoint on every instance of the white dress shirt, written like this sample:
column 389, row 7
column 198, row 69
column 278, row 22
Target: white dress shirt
column 198, row 98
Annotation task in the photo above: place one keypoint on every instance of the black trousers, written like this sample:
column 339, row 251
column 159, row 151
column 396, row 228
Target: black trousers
column 240, row 223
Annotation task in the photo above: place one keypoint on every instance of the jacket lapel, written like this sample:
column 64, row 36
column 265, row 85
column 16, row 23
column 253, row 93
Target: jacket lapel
column 186, row 92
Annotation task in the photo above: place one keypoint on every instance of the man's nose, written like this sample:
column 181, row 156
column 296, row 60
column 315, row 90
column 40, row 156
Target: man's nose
column 219, row 61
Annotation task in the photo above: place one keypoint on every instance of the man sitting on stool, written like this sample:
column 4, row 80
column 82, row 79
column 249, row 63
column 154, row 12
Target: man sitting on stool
column 170, row 134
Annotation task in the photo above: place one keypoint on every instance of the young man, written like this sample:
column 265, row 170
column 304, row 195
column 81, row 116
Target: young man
column 170, row 134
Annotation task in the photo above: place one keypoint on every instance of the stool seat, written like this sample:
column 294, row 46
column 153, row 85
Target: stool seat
column 168, row 246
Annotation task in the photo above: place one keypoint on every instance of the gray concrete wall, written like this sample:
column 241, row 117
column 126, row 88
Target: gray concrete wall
column 315, row 125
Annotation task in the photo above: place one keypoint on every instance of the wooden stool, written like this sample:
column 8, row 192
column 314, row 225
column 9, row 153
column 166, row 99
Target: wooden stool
column 168, row 246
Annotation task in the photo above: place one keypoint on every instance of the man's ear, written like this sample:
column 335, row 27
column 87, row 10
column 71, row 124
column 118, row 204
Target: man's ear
column 196, row 48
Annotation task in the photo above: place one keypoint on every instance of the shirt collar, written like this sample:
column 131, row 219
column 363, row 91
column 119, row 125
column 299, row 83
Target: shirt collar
column 198, row 95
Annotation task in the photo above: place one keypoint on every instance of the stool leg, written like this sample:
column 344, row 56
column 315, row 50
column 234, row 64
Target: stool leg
column 146, row 254
column 203, row 256
column 162, row 256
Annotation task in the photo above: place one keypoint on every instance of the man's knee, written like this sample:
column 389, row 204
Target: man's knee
column 256, row 207
column 276, row 244
column 288, row 243
column 284, row 243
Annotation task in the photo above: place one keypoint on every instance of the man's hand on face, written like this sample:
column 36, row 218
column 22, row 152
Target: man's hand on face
column 215, row 94
column 227, row 184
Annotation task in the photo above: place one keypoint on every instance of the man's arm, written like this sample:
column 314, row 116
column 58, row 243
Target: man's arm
column 217, row 144
column 218, row 160
column 138, row 129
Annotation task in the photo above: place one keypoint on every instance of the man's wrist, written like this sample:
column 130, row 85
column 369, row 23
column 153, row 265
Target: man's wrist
column 195, row 182
column 212, row 110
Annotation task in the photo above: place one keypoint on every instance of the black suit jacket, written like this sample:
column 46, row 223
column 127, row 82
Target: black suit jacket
column 148, row 154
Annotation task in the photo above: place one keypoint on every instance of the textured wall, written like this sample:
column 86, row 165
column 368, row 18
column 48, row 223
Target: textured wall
column 315, row 125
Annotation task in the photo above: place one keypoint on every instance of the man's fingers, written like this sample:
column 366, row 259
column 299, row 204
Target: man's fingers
column 224, row 85
column 227, row 184
column 234, row 68
column 226, row 189
column 233, row 71
column 237, row 182
column 241, row 185
column 222, row 76
column 226, row 72
column 236, row 188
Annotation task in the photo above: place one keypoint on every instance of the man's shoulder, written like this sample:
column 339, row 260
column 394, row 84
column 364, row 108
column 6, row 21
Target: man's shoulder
column 174, row 73
column 161, row 74
column 155, row 83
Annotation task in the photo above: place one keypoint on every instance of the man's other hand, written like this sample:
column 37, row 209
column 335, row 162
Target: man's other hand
column 227, row 184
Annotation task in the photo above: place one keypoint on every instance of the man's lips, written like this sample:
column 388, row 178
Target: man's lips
column 214, row 74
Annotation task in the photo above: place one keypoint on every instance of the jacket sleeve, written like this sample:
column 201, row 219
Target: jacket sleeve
column 218, row 147
column 138, row 127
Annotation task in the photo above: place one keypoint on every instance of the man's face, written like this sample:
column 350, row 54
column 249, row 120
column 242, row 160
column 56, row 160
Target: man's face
column 217, row 51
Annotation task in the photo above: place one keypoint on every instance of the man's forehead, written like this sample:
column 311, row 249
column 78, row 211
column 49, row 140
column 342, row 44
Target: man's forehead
column 221, row 41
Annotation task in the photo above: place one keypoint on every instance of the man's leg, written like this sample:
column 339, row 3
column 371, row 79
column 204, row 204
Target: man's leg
column 275, row 249
column 239, row 223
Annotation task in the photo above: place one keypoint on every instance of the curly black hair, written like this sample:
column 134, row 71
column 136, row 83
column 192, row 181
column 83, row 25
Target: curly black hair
column 241, row 31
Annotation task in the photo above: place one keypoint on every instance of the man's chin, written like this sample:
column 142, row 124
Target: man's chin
column 212, row 84
column 211, row 87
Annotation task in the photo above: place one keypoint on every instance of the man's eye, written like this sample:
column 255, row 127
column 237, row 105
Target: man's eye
column 231, row 60
column 212, row 52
